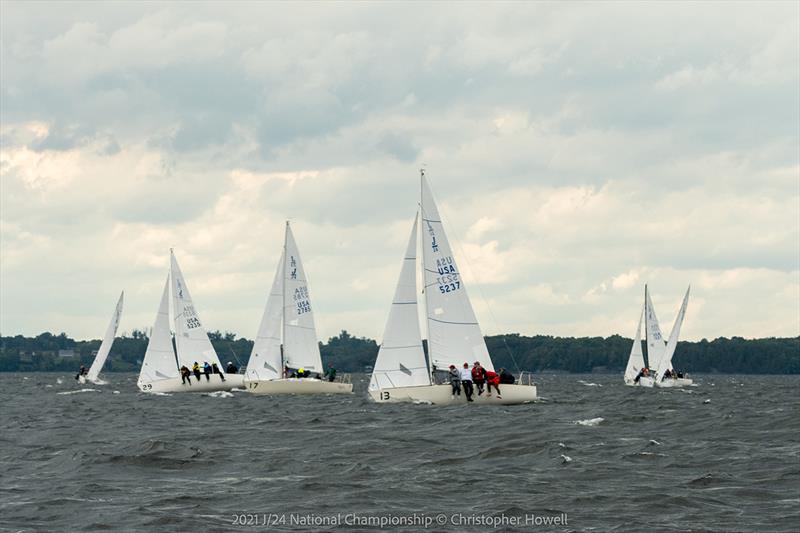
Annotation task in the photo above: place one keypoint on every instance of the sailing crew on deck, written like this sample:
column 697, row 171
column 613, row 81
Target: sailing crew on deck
column 331, row 373
column 82, row 371
column 455, row 380
column 196, row 370
column 478, row 376
column 186, row 375
column 231, row 369
column 215, row 369
column 466, row 381
column 492, row 380
column 207, row 370
column 507, row 377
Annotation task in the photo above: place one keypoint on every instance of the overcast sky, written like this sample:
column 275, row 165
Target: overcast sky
column 577, row 151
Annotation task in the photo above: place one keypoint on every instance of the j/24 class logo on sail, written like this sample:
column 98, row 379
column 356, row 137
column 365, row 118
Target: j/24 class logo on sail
column 448, row 279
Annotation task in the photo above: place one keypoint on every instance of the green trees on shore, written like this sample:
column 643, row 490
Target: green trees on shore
column 48, row 352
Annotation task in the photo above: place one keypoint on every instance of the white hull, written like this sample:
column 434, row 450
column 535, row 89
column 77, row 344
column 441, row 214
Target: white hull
column 297, row 386
column 675, row 382
column 83, row 380
column 441, row 395
column 644, row 381
column 232, row 381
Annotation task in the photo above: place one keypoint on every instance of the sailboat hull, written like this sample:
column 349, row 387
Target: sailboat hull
column 232, row 381
column 442, row 395
column 675, row 383
column 297, row 386
column 644, row 381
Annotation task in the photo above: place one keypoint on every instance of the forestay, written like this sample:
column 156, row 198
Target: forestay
column 655, row 341
column 191, row 340
column 159, row 359
column 454, row 336
column 636, row 358
column 300, row 348
column 108, row 340
column 265, row 359
column 666, row 363
column 401, row 358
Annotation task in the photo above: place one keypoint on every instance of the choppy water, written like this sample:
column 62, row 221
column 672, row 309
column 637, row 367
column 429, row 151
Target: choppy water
column 721, row 456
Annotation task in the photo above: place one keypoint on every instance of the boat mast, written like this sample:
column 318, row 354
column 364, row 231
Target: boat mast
column 646, row 329
column 171, row 305
column 429, row 359
column 283, row 304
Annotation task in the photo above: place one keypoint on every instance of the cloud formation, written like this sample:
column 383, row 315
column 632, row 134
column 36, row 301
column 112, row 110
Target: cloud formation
column 577, row 151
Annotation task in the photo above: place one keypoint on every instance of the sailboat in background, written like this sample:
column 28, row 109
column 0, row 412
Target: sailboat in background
column 401, row 372
column 93, row 375
column 161, row 366
column 657, row 371
column 276, row 368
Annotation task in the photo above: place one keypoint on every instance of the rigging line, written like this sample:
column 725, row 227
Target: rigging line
column 478, row 284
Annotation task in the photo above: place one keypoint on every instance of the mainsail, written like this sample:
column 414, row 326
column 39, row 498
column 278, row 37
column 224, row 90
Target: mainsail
column 300, row 347
column 159, row 359
column 636, row 358
column 191, row 340
column 454, row 336
column 401, row 359
column 666, row 362
column 655, row 341
column 108, row 340
column 265, row 359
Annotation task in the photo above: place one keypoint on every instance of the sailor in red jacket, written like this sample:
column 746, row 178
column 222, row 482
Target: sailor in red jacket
column 492, row 380
column 478, row 376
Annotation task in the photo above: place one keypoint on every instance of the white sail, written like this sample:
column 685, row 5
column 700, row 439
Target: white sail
column 191, row 340
column 636, row 358
column 401, row 359
column 108, row 340
column 666, row 362
column 159, row 359
column 300, row 348
column 655, row 341
column 454, row 336
column 265, row 359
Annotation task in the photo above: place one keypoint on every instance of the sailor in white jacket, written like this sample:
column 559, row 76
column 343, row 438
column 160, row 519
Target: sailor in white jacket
column 466, row 381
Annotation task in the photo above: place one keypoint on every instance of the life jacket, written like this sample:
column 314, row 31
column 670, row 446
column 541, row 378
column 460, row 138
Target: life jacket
column 478, row 373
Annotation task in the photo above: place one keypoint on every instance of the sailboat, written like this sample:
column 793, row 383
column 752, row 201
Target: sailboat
column 659, row 352
column 401, row 372
column 93, row 375
column 161, row 366
column 274, row 367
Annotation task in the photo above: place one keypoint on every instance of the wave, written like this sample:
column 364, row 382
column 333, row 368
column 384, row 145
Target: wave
column 78, row 391
column 589, row 384
column 220, row 394
column 590, row 421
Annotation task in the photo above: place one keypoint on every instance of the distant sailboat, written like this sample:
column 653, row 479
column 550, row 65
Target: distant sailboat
column 93, row 375
column 401, row 373
column 161, row 366
column 273, row 367
column 659, row 352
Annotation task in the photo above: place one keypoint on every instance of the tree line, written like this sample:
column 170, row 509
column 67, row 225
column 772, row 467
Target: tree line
column 49, row 352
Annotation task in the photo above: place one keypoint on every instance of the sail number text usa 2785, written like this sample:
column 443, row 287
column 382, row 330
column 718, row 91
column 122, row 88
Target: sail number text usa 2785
column 448, row 279
column 302, row 305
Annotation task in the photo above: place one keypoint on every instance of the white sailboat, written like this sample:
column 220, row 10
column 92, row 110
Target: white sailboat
column 401, row 373
column 273, row 367
column 93, row 375
column 659, row 352
column 161, row 366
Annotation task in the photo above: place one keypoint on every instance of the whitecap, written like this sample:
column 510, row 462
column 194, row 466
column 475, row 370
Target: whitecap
column 589, row 384
column 115, row 392
column 59, row 381
column 220, row 394
column 77, row 391
column 590, row 422
column 707, row 401
column 655, row 442
column 565, row 459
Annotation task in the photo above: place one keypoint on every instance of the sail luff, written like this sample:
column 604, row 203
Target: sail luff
column 108, row 341
column 401, row 359
column 636, row 357
column 159, row 358
column 655, row 340
column 265, row 359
